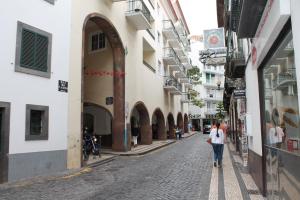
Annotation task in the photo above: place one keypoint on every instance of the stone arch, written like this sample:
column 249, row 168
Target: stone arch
column 179, row 121
column 119, row 142
column 140, row 114
column 102, row 124
column 158, row 125
column 186, row 123
column 171, row 126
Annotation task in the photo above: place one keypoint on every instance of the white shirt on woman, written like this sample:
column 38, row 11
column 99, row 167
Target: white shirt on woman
column 214, row 138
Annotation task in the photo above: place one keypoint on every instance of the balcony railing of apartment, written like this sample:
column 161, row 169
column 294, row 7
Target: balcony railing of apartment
column 170, row 56
column 213, row 98
column 210, row 111
column 151, row 33
column 139, row 14
column 172, row 85
column 149, row 66
column 213, row 84
column 181, row 74
column 212, row 70
column 171, row 33
column 188, row 65
column 151, row 2
column 283, row 80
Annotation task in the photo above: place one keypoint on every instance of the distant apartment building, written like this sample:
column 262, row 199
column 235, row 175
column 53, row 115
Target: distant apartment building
column 210, row 90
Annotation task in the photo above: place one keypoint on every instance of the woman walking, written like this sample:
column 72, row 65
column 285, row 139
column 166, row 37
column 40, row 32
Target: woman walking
column 217, row 140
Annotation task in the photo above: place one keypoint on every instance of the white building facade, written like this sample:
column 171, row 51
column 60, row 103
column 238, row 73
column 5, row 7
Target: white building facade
column 34, row 66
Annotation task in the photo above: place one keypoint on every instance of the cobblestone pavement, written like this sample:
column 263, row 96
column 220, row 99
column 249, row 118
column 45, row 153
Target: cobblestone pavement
column 180, row 171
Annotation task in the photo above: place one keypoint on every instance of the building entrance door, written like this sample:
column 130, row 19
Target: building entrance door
column 4, row 134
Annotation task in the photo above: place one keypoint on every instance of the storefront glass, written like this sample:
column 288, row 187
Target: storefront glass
column 282, row 130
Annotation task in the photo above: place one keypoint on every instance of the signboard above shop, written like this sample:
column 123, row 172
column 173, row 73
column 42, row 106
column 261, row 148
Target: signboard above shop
column 239, row 94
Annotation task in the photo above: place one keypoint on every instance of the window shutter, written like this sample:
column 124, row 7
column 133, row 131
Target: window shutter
column 27, row 49
column 34, row 51
column 41, row 53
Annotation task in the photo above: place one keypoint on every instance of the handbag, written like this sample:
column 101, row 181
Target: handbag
column 208, row 140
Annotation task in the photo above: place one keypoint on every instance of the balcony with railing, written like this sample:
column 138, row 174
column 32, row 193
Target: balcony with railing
column 213, row 70
column 213, row 84
column 210, row 111
column 285, row 79
column 139, row 15
column 170, row 57
column 169, row 30
column 214, row 98
column 180, row 74
column 172, row 85
column 188, row 64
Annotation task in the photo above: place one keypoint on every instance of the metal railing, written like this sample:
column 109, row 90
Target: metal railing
column 139, row 6
column 170, row 81
column 170, row 52
column 284, row 78
column 151, row 3
column 151, row 33
column 169, row 26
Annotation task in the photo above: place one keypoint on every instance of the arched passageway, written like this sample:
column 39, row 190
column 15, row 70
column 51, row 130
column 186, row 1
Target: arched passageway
column 186, row 123
column 140, row 118
column 179, row 121
column 171, row 126
column 158, row 125
column 98, row 121
column 103, row 64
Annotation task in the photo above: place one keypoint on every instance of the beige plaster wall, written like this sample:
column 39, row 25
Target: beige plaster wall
column 97, row 83
column 141, row 83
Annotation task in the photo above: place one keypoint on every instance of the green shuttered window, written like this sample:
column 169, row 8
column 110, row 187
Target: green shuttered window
column 34, row 51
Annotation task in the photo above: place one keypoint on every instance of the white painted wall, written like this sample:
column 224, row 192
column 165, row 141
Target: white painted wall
column 253, row 109
column 21, row 89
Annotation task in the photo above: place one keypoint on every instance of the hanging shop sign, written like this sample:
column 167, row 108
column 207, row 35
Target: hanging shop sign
column 239, row 94
column 195, row 116
column 62, row 86
column 214, row 38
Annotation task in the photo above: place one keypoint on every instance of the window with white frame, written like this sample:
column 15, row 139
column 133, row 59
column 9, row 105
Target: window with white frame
column 97, row 41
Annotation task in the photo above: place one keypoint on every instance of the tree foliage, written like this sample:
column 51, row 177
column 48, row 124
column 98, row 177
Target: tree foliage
column 195, row 75
column 220, row 111
column 194, row 100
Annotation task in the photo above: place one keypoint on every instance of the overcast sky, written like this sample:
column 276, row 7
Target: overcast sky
column 200, row 15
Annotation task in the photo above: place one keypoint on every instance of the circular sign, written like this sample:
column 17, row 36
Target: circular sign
column 214, row 39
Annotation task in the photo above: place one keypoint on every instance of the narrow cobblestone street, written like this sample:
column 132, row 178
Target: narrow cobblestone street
column 179, row 171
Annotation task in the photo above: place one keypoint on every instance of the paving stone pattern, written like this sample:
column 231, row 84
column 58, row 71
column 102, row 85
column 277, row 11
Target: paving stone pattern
column 180, row 171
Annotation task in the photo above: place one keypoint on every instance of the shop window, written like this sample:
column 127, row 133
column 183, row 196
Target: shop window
column 37, row 118
column 281, row 99
column 33, row 53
